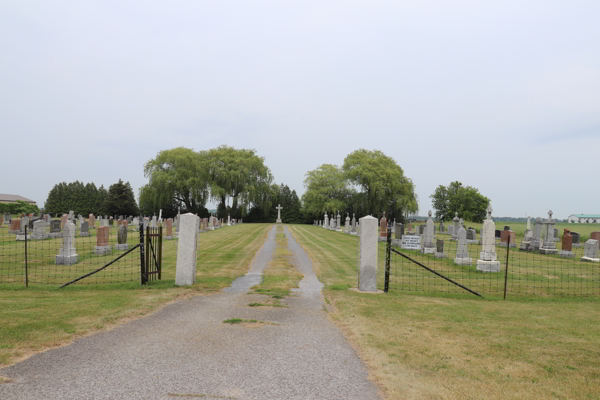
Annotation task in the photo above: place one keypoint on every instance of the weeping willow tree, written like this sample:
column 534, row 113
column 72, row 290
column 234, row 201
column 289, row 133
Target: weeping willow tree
column 239, row 174
column 176, row 176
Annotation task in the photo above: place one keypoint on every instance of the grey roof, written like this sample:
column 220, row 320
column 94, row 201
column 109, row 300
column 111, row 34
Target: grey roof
column 14, row 198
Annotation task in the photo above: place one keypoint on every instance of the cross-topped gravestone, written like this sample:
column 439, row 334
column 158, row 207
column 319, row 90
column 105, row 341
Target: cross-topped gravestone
column 279, row 208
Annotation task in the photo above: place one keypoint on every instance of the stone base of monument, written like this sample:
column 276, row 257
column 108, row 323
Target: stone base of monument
column 470, row 241
column 556, row 240
column 66, row 260
column 353, row 233
column 588, row 259
column 21, row 237
column 548, row 251
column 14, row 232
column 39, row 237
column 338, row 230
column 84, row 234
column 428, row 250
column 524, row 246
column 55, row 235
column 566, row 254
column 382, row 238
column 463, row 261
column 99, row 250
column 503, row 244
column 123, row 246
column 577, row 245
column 169, row 237
column 278, row 221
column 439, row 255
column 488, row 266
column 397, row 242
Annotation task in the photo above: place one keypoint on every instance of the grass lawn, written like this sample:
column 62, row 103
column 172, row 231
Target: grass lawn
column 458, row 346
column 43, row 316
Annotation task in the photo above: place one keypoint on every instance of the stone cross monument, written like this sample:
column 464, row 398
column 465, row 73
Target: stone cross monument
column 279, row 208
column 487, row 258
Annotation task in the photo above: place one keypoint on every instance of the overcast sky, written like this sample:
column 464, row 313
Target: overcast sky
column 503, row 96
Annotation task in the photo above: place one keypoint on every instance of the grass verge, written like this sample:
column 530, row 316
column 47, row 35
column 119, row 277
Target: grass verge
column 455, row 346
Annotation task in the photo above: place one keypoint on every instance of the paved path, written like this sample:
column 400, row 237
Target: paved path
column 185, row 349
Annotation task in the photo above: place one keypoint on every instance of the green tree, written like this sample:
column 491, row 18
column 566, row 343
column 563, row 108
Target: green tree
column 177, row 175
column 75, row 196
column 456, row 198
column 120, row 200
column 382, row 182
column 326, row 189
column 239, row 174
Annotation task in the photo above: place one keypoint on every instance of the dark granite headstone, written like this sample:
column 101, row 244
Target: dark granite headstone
column 440, row 246
column 575, row 237
column 498, row 233
column 399, row 231
column 421, row 229
column 55, row 226
column 507, row 228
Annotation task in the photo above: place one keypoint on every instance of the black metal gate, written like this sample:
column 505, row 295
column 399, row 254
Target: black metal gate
column 151, row 254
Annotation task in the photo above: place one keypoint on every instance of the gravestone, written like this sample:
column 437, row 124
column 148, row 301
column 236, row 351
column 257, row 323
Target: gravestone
column 338, row 222
column 229, row 219
column 442, row 228
column 589, row 251
column 556, row 237
column 153, row 224
column 536, row 240
column 84, row 232
column 279, row 208
column 504, row 238
column 383, row 229
column 71, row 215
column 487, row 257
column 506, row 228
column 456, row 227
column 111, row 222
column 102, row 246
column 353, row 232
column 593, row 235
column 347, row 226
column 471, row 236
column 24, row 223
column 567, row 244
column 39, row 230
column 135, row 221
column 326, row 221
column 185, row 270
column 367, row 277
column 498, row 233
column 548, row 247
column 439, row 249
column 91, row 221
column 55, row 228
column 122, row 238
column 576, row 238
column 451, row 230
column 428, row 245
column 7, row 218
column 462, row 248
column 399, row 231
column 421, row 229
column 15, row 226
column 67, row 254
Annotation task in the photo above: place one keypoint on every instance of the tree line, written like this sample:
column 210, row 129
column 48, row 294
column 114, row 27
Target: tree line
column 87, row 199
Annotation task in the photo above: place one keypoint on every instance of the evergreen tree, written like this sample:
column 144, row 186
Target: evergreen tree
column 120, row 200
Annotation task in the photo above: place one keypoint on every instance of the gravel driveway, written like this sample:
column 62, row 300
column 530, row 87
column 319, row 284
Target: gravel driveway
column 185, row 351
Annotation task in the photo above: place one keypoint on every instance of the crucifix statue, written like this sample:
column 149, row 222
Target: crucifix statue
column 279, row 208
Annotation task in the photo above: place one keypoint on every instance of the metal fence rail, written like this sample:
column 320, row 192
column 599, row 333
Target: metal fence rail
column 520, row 271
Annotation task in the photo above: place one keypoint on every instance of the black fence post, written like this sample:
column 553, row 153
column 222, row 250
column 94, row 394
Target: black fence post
column 388, row 250
column 506, row 267
column 26, row 266
column 143, row 277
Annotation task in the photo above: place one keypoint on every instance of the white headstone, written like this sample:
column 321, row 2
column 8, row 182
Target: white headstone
column 185, row 270
column 487, row 258
column 67, row 254
column 369, row 232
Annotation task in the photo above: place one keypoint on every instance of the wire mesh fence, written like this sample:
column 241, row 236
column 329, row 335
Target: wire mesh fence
column 40, row 253
column 543, row 269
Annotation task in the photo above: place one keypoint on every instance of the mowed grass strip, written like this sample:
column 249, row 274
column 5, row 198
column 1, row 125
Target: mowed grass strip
column 43, row 317
column 281, row 275
column 455, row 346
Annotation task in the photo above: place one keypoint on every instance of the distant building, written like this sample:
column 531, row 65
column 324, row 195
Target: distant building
column 584, row 219
column 12, row 198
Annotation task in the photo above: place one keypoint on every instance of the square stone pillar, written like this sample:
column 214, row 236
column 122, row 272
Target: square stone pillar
column 185, row 270
column 367, row 276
